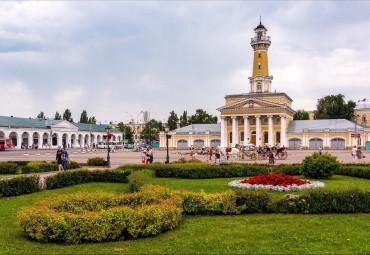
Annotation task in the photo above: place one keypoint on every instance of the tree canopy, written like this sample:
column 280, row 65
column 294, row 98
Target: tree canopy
column 172, row 120
column 202, row 117
column 151, row 130
column 67, row 115
column 184, row 119
column 41, row 115
column 57, row 116
column 92, row 120
column 84, row 118
column 301, row 115
column 334, row 107
column 127, row 131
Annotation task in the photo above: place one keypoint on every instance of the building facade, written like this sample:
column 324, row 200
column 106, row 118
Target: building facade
column 263, row 117
column 28, row 132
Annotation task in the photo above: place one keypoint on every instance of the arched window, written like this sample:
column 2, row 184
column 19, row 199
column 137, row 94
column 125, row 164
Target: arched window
column 277, row 137
column 231, row 137
column 364, row 118
column 259, row 54
column 266, row 137
column 259, row 87
column 259, row 66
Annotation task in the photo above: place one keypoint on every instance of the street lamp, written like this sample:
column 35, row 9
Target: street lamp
column 107, row 129
column 167, row 136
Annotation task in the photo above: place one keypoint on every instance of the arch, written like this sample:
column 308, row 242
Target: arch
column 338, row 143
column 45, row 139
column 2, row 134
column 119, row 138
column 36, row 139
column 253, row 137
column 26, row 139
column 86, row 141
column 93, row 140
column 14, row 136
column 215, row 142
column 182, row 144
column 73, row 140
column 54, row 139
column 315, row 142
column 294, row 143
column 198, row 143
column 364, row 119
column 259, row 86
column 113, row 138
column 65, row 140
column 98, row 138
column 80, row 140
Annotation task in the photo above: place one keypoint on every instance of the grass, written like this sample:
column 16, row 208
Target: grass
column 251, row 234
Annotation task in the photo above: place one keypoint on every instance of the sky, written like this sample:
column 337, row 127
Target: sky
column 115, row 59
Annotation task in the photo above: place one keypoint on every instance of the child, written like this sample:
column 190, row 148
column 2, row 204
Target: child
column 218, row 157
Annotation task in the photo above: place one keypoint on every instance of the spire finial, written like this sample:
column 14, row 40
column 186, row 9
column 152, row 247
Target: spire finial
column 260, row 20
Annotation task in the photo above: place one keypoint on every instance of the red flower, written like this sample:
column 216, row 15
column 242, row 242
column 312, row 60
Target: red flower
column 275, row 180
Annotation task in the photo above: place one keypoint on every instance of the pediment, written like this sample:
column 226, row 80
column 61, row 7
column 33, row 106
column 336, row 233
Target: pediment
column 65, row 126
column 251, row 104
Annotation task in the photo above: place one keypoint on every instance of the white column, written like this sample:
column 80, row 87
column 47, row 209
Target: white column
column 235, row 131
column 258, row 131
column 30, row 139
column 270, row 131
column 19, row 140
column 60, row 140
column 223, row 131
column 40, row 140
column 82, row 140
column 283, row 130
column 247, row 131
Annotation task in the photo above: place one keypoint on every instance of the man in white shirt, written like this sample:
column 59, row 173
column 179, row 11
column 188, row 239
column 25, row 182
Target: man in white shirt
column 354, row 153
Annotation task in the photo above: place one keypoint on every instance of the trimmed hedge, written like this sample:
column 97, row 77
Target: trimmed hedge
column 355, row 171
column 26, row 167
column 98, row 161
column 69, row 178
column 9, row 168
column 19, row 186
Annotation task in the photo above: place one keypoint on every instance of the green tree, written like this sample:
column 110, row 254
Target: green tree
column 127, row 132
column 202, row 117
column 57, row 116
column 41, row 115
column 151, row 131
column 334, row 107
column 172, row 120
column 92, row 120
column 84, row 118
column 67, row 115
column 301, row 115
column 184, row 119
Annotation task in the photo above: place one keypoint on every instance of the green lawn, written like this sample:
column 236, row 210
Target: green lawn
column 244, row 234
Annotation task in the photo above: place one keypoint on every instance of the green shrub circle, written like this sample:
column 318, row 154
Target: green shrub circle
column 99, row 217
column 320, row 166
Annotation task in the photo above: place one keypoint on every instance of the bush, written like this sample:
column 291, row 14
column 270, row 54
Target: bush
column 321, row 201
column 98, row 217
column 69, row 178
column 19, row 186
column 9, row 168
column 320, row 166
column 355, row 171
column 96, row 162
column 73, row 165
column 19, row 163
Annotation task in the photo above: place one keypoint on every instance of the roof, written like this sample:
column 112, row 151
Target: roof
column 257, row 95
column 200, row 129
column 17, row 122
column 362, row 107
column 313, row 126
column 260, row 26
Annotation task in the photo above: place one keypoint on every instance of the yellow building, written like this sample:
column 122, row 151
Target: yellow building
column 263, row 117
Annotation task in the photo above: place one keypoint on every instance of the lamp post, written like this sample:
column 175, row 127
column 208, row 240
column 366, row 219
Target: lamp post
column 107, row 129
column 167, row 136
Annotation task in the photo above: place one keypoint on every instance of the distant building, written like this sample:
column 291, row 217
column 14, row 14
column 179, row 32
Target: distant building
column 264, row 117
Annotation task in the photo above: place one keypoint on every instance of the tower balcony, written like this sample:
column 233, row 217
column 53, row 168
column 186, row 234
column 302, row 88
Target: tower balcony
column 263, row 39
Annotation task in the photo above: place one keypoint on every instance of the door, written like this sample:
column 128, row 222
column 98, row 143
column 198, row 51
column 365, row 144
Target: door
column 315, row 143
column 338, row 144
column 215, row 143
column 198, row 143
column 182, row 144
column 295, row 143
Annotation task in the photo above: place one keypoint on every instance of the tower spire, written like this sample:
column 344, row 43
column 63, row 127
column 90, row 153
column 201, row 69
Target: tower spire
column 260, row 20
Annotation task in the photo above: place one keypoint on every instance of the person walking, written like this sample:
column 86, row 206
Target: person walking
column 150, row 155
column 320, row 150
column 218, row 157
column 58, row 159
column 65, row 159
column 359, row 154
column 210, row 153
column 354, row 153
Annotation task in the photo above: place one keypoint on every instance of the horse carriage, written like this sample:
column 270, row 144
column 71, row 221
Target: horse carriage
column 281, row 153
column 248, row 151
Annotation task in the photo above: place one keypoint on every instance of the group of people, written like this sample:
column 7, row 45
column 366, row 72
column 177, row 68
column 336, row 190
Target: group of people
column 62, row 158
column 357, row 153
column 206, row 151
column 147, row 155
column 270, row 151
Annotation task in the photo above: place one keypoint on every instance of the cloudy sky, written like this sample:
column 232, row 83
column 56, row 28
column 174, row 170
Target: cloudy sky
column 126, row 56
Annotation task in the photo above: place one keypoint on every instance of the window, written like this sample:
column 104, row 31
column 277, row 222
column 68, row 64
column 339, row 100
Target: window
column 364, row 118
column 231, row 137
column 242, row 121
column 259, row 54
column 242, row 136
column 266, row 137
column 259, row 87
column 359, row 141
column 277, row 120
column 253, row 121
column 265, row 120
column 259, row 66
column 277, row 137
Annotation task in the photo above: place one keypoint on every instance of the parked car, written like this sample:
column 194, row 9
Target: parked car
column 128, row 146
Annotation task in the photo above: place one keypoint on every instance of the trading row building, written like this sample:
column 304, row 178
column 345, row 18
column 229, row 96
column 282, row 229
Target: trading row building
column 264, row 117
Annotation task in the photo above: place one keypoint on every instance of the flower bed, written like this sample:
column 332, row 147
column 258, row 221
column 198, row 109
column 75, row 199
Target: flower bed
column 276, row 182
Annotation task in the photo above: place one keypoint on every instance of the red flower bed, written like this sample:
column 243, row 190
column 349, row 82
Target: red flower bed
column 275, row 180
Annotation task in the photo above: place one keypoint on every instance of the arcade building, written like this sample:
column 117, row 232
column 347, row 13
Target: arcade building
column 264, row 117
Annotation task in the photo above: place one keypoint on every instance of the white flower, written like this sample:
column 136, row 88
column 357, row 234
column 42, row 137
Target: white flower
column 294, row 187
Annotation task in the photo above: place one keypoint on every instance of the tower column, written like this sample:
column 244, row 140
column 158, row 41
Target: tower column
column 270, row 131
column 283, row 130
column 235, row 131
column 247, row 131
column 258, row 130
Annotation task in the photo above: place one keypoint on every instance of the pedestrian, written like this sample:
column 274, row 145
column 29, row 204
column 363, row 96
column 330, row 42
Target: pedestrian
column 147, row 156
column 150, row 154
column 210, row 153
column 65, row 159
column 320, row 150
column 143, row 157
column 354, row 153
column 359, row 154
column 218, row 157
column 271, row 158
column 58, row 158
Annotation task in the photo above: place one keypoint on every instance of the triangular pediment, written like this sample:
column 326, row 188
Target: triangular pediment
column 251, row 104
column 64, row 126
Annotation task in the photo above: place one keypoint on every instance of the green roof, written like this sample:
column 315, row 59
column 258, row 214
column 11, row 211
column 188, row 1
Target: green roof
column 260, row 26
column 15, row 122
